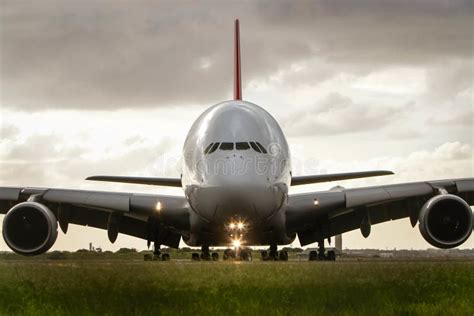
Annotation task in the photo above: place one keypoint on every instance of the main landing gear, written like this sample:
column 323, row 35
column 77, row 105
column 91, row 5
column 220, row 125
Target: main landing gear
column 157, row 255
column 320, row 255
column 274, row 255
column 205, row 255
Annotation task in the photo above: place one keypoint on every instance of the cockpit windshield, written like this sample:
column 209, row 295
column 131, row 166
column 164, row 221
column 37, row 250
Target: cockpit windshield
column 242, row 146
column 226, row 146
column 256, row 146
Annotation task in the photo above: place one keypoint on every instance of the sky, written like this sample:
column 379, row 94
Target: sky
column 112, row 87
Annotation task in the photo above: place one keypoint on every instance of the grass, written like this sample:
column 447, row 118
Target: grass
column 121, row 287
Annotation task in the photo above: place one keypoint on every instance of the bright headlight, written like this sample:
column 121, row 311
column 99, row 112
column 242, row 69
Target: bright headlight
column 236, row 243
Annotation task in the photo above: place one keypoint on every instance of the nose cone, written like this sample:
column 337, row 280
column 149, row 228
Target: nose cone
column 238, row 168
column 244, row 200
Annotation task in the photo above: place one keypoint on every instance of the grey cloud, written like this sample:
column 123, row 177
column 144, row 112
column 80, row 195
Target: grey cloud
column 450, row 79
column 338, row 114
column 121, row 54
column 404, row 134
column 48, row 160
column 41, row 148
column 455, row 117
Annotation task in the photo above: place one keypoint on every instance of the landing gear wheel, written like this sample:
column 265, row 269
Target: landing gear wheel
column 283, row 255
column 273, row 254
column 165, row 257
column 205, row 257
column 229, row 254
column 321, row 250
column 195, row 257
column 148, row 257
column 246, row 255
column 215, row 256
column 313, row 255
column 264, row 255
column 205, row 254
column 331, row 255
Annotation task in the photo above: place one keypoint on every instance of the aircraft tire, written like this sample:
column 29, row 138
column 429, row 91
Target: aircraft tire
column 246, row 255
column 283, row 255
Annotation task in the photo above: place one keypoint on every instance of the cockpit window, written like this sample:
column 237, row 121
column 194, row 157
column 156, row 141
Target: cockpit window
column 213, row 148
column 261, row 148
column 242, row 146
column 255, row 147
column 206, row 151
column 227, row 146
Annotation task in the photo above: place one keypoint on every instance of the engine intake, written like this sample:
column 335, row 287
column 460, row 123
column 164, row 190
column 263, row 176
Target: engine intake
column 30, row 228
column 445, row 221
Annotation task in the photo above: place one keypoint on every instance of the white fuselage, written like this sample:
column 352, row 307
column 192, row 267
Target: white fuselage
column 227, row 175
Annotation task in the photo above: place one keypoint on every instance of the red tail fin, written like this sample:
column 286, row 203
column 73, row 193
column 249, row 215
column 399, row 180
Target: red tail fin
column 237, row 75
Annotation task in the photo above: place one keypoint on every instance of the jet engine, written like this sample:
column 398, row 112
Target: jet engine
column 445, row 221
column 30, row 228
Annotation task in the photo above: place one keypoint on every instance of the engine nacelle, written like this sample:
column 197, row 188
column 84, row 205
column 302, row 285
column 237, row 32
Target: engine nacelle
column 30, row 228
column 445, row 221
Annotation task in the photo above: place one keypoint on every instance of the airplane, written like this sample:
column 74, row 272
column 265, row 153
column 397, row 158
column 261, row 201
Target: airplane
column 236, row 175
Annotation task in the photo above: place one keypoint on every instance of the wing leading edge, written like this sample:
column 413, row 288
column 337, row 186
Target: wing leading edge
column 299, row 180
column 170, row 182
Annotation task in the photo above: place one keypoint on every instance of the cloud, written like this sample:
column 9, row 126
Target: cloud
column 450, row 80
column 8, row 132
column 455, row 116
column 337, row 114
column 142, row 54
column 448, row 160
column 52, row 161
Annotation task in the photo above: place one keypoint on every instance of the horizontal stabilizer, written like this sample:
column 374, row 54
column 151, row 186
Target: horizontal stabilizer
column 299, row 180
column 170, row 182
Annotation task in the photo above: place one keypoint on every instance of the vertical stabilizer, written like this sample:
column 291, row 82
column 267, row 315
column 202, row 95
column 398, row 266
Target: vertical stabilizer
column 237, row 74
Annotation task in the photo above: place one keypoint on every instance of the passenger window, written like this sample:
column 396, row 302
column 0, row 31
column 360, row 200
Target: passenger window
column 227, row 146
column 206, row 151
column 242, row 146
column 213, row 149
column 255, row 147
column 262, row 148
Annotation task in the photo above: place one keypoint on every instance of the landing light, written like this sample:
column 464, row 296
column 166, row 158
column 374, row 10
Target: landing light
column 158, row 206
column 232, row 225
column 236, row 243
column 316, row 202
column 240, row 225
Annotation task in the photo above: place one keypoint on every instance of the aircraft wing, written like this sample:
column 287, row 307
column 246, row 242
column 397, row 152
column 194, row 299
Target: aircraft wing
column 127, row 213
column 170, row 182
column 316, row 216
column 319, row 178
